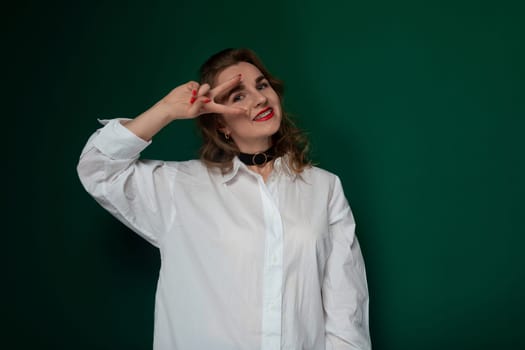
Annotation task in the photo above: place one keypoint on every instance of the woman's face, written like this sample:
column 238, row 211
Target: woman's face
column 251, row 132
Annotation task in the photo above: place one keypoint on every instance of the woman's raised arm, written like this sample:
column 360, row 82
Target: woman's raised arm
column 186, row 101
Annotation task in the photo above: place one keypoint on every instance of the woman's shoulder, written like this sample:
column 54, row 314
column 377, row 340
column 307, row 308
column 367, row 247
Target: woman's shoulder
column 317, row 173
column 188, row 169
column 193, row 172
column 319, row 178
column 192, row 166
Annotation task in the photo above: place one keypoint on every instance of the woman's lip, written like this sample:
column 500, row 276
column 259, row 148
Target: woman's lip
column 262, row 112
column 269, row 116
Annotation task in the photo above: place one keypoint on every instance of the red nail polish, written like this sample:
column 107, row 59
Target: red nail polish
column 192, row 100
column 194, row 92
column 207, row 100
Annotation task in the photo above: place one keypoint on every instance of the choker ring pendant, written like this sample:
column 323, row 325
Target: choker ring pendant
column 259, row 159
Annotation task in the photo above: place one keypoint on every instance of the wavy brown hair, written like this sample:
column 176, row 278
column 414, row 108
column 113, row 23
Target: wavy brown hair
column 216, row 150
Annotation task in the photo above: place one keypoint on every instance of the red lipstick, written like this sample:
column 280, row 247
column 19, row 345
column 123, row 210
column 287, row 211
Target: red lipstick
column 264, row 115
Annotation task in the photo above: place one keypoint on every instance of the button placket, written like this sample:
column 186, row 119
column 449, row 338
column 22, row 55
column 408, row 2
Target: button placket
column 272, row 271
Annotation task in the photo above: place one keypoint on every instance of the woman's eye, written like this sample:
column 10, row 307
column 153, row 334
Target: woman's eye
column 237, row 98
column 262, row 86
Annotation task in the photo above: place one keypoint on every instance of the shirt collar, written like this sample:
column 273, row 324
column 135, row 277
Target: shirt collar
column 280, row 167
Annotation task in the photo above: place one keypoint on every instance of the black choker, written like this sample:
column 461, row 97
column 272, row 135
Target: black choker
column 259, row 158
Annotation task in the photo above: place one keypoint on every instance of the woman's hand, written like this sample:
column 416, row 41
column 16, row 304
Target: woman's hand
column 184, row 102
column 191, row 100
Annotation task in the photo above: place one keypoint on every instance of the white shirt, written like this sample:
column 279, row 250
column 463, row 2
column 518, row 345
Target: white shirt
column 244, row 264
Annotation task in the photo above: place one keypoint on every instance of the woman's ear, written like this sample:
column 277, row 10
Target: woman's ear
column 221, row 125
column 225, row 132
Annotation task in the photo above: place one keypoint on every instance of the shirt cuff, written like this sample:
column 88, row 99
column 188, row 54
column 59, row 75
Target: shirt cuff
column 118, row 142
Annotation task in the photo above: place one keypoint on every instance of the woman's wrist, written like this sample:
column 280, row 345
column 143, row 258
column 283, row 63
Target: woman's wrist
column 162, row 112
column 150, row 122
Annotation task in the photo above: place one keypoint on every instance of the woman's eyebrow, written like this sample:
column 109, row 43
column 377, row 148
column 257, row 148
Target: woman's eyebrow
column 239, row 87
column 226, row 95
column 235, row 89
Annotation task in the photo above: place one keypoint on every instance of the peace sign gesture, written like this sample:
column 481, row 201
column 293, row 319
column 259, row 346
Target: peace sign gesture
column 191, row 100
column 186, row 101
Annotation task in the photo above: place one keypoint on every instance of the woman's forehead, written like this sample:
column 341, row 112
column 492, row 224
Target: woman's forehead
column 248, row 71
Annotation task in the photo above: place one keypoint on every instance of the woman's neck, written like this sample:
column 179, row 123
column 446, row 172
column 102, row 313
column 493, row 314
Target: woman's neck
column 264, row 170
column 254, row 146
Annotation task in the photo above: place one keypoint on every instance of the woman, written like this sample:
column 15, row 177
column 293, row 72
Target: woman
column 257, row 246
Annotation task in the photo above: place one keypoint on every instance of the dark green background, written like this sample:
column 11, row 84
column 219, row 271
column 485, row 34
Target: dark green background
column 418, row 106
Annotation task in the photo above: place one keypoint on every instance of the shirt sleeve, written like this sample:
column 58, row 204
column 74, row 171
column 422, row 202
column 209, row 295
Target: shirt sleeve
column 344, row 290
column 137, row 192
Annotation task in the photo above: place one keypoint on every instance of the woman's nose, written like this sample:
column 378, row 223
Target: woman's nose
column 260, row 99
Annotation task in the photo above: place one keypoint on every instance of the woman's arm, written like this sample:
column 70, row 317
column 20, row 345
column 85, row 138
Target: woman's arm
column 345, row 291
column 184, row 102
column 138, row 193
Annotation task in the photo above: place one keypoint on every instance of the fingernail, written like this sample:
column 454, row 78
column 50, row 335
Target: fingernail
column 194, row 92
column 192, row 100
column 206, row 100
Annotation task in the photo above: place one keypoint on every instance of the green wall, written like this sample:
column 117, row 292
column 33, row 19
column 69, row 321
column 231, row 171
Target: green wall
column 418, row 106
